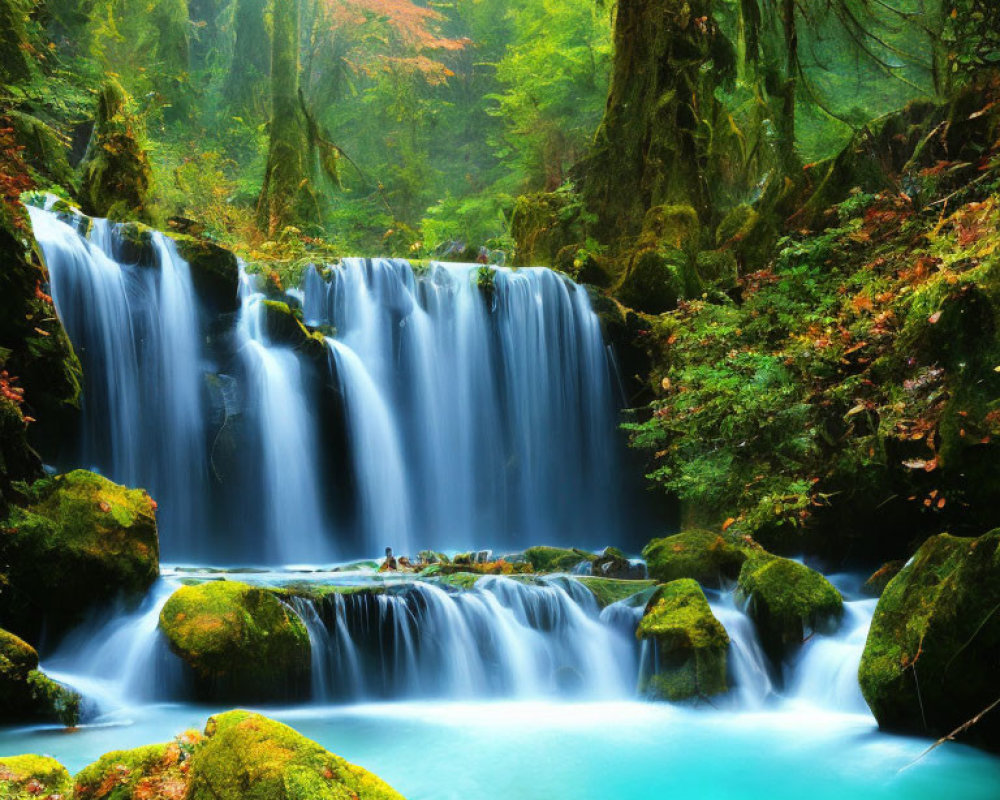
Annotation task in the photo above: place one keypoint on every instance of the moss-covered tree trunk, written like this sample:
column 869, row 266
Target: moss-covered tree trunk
column 287, row 196
column 115, row 176
column 251, row 57
column 651, row 148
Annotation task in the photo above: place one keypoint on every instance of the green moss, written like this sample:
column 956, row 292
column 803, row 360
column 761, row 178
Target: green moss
column 153, row 771
column 241, row 641
column 786, row 600
column 556, row 559
column 929, row 664
column 611, row 590
column 31, row 777
column 670, row 226
column 25, row 692
column 456, row 580
column 718, row 269
column 116, row 178
column 690, row 643
column 249, row 757
column 283, row 327
column 544, row 224
column 701, row 555
column 79, row 541
column 54, row 700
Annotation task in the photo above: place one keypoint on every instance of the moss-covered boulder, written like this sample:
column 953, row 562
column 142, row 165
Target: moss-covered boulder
column 543, row 224
column 241, row 756
column 610, row 590
column 155, row 771
column 33, row 777
column 242, row 642
column 690, row 644
column 931, row 659
column 80, row 540
column 115, row 175
column 704, row 556
column 27, row 693
column 787, row 601
column 556, row 559
column 250, row 757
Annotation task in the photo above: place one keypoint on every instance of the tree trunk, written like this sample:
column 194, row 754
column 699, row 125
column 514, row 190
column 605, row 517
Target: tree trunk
column 287, row 196
column 651, row 146
column 251, row 58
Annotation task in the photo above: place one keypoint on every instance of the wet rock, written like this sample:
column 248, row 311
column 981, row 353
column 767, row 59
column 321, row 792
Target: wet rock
column 931, row 659
column 787, row 602
column 27, row 693
column 879, row 579
column 704, row 556
column 611, row 590
column 690, row 644
column 556, row 559
column 613, row 563
column 240, row 641
column 79, row 541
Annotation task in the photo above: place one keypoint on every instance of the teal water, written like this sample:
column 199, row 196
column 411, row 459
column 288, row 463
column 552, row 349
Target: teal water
column 588, row 751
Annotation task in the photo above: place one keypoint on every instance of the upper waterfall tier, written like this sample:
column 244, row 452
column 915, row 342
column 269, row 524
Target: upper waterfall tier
column 451, row 406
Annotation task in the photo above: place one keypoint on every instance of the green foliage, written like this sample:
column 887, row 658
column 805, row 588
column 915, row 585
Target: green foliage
column 28, row 777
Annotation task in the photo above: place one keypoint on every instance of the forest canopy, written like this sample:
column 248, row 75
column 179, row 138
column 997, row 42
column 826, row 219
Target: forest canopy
column 412, row 127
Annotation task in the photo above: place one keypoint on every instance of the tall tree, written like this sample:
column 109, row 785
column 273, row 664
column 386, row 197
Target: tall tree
column 288, row 196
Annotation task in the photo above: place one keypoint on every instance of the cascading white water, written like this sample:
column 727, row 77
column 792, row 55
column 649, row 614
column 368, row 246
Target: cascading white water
column 136, row 331
column 384, row 493
column 746, row 662
column 504, row 638
column 120, row 659
column 498, row 392
column 293, row 524
column 826, row 671
column 466, row 406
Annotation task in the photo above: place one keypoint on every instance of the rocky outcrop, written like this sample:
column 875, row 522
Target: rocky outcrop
column 706, row 557
column 240, row 756
column 787, row 601
column 930, row 662
column 556, row 559
column 79, row 540
column 689, row 643
column 611, row 590
column 241, row 642
column 27, row 693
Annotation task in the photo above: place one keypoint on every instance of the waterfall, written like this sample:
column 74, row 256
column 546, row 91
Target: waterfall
column 136, row 331
column 503, row 638
column 498, row 392
column 119, row 658
column 462, row 406
column 749, row 677
column 293, row 525
column 826, row 671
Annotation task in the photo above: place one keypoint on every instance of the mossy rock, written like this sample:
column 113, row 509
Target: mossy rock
column 930, row 662
column 215, row 271
column 787, row 601
column 612, row 590
column 154, row 771
column 879, row 579
column 25, row 692
column 704, row 556
column 543, row 224
column 283, row 327
column 81, row 540
column 45, row 152
column 613, row 563
column 33, row 777
column 247, row 756
column 655, row 281
column 690, row 644
column 556, row 559
column 240, row 641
